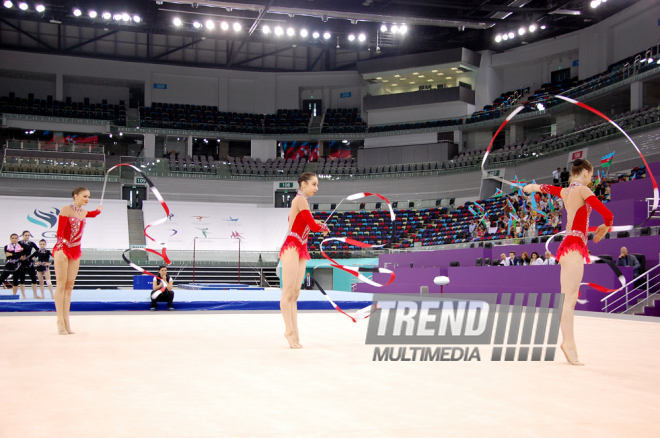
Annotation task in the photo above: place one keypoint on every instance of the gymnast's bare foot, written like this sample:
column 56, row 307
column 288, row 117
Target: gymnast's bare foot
column 291, row 338
column 571, row 356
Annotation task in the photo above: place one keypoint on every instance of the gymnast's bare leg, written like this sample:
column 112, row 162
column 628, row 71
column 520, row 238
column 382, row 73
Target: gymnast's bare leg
column 291, row 263
column 572, row 269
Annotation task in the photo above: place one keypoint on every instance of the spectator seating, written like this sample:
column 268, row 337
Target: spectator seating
column 499, row 106
column 336, row 166
column 287, row 121
column 417, row 125
column 428, row 226
column 342, row 120
column 53, row 162
column 277, row 167
column 196, row 163
column 208, row 118
column 67, row 108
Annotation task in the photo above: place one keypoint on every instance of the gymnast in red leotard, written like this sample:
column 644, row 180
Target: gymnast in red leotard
column 294, row 254
column 67, row 253
column 579, row 200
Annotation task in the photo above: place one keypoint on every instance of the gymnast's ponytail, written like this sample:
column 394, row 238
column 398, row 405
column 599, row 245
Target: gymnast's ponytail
column 579, row 166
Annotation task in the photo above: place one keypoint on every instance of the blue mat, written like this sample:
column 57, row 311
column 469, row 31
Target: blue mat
column 218, row 286
column 86, row 300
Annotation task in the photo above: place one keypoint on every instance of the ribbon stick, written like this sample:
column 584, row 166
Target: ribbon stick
column 163, row 252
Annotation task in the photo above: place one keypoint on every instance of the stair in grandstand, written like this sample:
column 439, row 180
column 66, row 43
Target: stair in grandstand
column 315, row 125
column 136, row 237
column 132, row 118
column 652, row 309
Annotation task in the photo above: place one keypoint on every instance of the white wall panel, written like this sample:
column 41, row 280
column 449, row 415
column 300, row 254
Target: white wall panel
column 39, row 216
column 213, row 225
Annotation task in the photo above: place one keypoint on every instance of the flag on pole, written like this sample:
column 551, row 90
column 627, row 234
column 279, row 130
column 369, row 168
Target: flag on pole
column 480, row 208
column 606, row 161
column 597, row 178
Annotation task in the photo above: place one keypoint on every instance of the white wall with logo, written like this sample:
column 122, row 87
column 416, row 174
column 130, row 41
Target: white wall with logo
column 217, row 227
column 108, row 231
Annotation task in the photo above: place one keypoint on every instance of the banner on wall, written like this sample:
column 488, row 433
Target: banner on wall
column 217, row 227
column 108, row 231
column 572, row 156
column 339, row 149
column 308, row 150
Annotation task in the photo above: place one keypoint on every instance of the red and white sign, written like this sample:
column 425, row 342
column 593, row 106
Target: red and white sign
column 572, row 156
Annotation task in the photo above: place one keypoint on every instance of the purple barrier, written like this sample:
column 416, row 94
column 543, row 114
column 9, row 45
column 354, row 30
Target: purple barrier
column 649, row 246
column 439, row 259
column 512, row 279
column 409, row 279
column 639, row 189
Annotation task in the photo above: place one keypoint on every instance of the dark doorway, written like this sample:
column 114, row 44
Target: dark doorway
column 313, row 107
column 283, row 198
column 134, row 194
column 560, row 75
column 135, row 96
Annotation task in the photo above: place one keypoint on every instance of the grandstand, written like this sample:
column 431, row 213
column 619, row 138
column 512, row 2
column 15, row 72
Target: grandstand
column 217, row 108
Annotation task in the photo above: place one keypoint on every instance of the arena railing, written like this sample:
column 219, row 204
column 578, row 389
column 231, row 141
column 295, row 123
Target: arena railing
column 635, row 292
column 50, row 146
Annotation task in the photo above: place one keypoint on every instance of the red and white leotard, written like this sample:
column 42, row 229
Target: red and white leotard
column 297, row 236
column 576, row 236
column 70, row 232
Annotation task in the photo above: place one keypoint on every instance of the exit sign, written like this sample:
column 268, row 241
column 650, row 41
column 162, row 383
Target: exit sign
column 493, row 173
column 286, row 185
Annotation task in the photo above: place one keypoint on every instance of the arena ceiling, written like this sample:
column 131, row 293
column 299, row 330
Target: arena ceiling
column 290, row 35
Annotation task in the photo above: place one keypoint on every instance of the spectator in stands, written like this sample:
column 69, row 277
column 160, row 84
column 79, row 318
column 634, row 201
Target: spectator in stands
column 608, row 191
column 308, row 282
column 555, row 176
column 167, row 295
column 524, row 259
column 626, row 259
column 492, row 229
column 504, row 261
column 530, row 228
column 473, row 226
column 599, row 190
column 564, row 177
column 536, row 261
column 13, row 253
column 549, row 259
column 555, row 220
column 481, row 232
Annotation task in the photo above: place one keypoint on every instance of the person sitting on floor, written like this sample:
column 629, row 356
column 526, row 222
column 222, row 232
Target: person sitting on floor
column 165, row 296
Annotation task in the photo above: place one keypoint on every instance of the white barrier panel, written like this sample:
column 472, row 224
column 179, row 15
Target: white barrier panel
column 107, row 231
column 217, row 227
